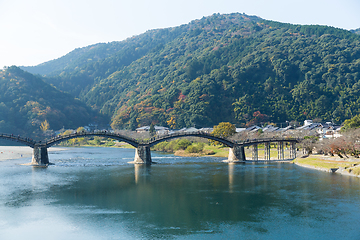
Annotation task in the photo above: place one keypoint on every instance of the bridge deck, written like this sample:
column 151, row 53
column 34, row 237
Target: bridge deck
column 135, row 142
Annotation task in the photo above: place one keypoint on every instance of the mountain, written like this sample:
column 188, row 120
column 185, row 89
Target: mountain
column 357, row 31
column 27, row 101
column 230, row 67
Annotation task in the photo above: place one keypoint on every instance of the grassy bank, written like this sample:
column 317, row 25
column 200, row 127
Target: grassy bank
column 326, row 163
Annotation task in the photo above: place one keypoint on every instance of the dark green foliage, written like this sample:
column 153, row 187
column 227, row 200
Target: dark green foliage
column 357, row 31
column 352, row 123
column 182, row 144
column 223, row 68
column 26, row 101
column 152, row 130
column 195, row 148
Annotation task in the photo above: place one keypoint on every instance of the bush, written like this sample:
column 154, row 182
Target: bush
column 182, row 144
column 192, row 149
column 195, row 148
column 200, row 146
column 161, row 146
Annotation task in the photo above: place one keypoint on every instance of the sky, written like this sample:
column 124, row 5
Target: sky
column 36, row 31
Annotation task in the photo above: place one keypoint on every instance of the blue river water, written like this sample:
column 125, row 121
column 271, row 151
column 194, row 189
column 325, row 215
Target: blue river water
column 93, row 193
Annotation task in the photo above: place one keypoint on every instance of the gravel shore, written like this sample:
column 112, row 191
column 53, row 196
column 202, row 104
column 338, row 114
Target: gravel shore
column 15, row 152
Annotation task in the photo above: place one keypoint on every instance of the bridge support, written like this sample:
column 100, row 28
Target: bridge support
column 236, row 154
column 255, row 152
column 292, row 150
column 142, row 155
column 40, row 156
column 281, row 150
column 267, row 151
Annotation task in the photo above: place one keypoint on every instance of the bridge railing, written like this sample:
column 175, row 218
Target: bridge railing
column 156, row 139
column 78, row 134
column 247, row 141
column 53, row 140
column 27, row 141
column 263, row 140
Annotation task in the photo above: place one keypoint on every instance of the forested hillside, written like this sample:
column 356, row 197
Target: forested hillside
column 357, row 31
column 26, row 101
column 231, row 67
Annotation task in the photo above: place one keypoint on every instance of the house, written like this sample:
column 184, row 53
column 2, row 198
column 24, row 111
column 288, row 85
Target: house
column 270, row 128
column 329, row 130
column 240, row 129
column 252, row 128
column 189, row 130
column 143, row 129
column 158, row 129
column 206, row 130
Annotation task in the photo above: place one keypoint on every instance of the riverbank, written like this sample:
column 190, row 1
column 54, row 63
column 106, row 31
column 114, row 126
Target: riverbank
column 332, row 164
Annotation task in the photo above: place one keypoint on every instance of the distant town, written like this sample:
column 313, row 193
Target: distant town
column 326, row 130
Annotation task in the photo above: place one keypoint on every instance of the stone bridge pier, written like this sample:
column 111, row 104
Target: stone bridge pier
column 40, row 155
column 142, row 155
column 236, row 154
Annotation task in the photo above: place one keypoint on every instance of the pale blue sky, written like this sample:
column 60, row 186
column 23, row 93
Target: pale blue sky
column 35, row 31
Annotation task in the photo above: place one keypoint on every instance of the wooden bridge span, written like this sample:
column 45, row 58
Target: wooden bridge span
column 143, row 153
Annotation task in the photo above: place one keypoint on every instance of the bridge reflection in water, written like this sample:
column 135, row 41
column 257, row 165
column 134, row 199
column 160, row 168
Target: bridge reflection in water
column 143, row 152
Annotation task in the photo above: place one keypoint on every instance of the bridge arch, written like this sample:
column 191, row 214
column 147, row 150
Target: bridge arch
column 25, row 141
column 118, row 137
column 224, row 141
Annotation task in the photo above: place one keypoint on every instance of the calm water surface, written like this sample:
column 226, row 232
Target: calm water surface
column 93, row 193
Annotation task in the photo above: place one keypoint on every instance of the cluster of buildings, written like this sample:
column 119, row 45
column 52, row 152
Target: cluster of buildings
column 165, row 130
column 323, row 130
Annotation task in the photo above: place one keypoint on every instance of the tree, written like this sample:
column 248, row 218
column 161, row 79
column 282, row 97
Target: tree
column 171, row 122
column 352, row 123
column 80, row 130
column 308, row 144
column 223, row 130
column 259, row 118
column 152, row 130
column 45, row 126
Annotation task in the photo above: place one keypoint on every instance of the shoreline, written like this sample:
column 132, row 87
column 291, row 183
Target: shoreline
column 335, row 165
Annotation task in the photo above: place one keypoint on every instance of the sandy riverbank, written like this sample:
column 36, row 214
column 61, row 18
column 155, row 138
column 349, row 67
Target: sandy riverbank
column 16, row 152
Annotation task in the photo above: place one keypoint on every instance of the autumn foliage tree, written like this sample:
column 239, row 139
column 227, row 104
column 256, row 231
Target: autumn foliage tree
column 45, row 126
column 223, row 130
column 258, row 119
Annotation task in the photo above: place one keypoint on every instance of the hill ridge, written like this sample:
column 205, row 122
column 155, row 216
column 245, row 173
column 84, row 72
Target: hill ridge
column 229, row 67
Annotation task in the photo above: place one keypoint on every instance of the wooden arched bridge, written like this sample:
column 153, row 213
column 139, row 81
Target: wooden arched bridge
column 143, row 154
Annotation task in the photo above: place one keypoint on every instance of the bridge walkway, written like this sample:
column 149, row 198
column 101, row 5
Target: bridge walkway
column 143, row 152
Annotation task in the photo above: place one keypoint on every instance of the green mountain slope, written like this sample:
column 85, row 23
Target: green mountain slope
column 357, row 31
column 224, row 68
column 26, row 101
column 84, row 67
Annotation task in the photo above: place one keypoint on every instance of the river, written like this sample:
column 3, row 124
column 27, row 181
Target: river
column 93, row 193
